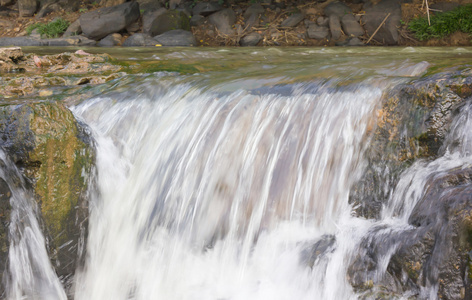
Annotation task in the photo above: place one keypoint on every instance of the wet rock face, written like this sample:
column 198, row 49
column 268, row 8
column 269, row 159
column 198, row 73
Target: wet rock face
column 411, row 124
column 55, row 155
column 434, row 252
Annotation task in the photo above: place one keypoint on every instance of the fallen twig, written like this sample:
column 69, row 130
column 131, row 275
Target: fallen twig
column 386, row 17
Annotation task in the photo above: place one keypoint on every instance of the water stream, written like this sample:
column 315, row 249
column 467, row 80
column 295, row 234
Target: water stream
column 213, row 188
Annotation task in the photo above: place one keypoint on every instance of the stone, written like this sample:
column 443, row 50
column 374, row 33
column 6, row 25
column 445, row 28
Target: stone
column 206, row 8
column 9, row 59
column 168, row 20
column 293, row 20
column 55, row 154
column 76, row 40
column 101, row 22
column 317, row 32
column 149, row 5
column 73, row 29
column 47, row 9
column 21, row 41
column 110, row 40
column 354, row 41
column 27, row 8
column 224, row 20
column 254, row 9
column 108, row 3
column 251, row 39
column 197, row 20
column 335, row 27
column 133, row 27
column 174, row 38
column 140, row 40
column 322, row 21
column 149, row 17
column 337, row 8
column 351, row 27
column 173, row 4
column 388, row 32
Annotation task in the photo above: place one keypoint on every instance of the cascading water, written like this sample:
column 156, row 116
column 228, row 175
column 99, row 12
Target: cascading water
column 214, row 196
column 30, row 274
column 237, row 190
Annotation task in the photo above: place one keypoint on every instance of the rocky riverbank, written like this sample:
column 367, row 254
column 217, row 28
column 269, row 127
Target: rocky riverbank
column 221, row 23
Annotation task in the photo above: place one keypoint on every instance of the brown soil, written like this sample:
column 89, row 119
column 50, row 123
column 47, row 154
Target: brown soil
column 11, row 25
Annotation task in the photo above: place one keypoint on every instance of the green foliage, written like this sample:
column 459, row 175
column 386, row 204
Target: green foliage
column 51, row 30
column 443, row 24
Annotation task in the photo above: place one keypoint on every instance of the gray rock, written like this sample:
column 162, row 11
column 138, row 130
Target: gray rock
column 293, row 20
column 133, row 27
column 149, row 17
column 206, row 8
column 27, row 8
column 337, row 8
column 224, row 20
column 351, row 42
column 108, row 3
column 197, row 20
column 351, row 27
column 173, row 4
column 322, row 21
column 149, row 5
column 101, row 22
column 255, row 9
column 388, row 32
column 335, row 27
column 73, row 29
column 169, row 20
column 47, row 9
column 317, row 32
column 251, row 39
column 252, row 21
column 21, row 41
column 110, row 40
column 140, row 40
column 70, row 41
column 175, row 38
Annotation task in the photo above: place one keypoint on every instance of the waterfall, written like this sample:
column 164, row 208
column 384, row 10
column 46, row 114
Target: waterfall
column 207, row 195
column 30, row 273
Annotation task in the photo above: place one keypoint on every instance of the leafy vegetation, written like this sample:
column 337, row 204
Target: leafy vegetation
column 443, row 24
column 51, row 30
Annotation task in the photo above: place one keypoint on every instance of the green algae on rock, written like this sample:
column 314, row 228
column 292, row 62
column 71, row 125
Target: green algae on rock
column 55, row 155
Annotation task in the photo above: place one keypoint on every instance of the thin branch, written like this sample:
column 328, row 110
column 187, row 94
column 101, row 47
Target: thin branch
column 372, row 36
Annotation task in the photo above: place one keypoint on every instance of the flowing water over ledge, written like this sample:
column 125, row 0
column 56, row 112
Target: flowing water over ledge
column 233, row 182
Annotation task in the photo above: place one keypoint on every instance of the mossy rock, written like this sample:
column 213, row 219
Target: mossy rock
column 55, row 155
column 170, row 20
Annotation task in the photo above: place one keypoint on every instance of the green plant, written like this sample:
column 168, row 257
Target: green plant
column 82, row 10
column 443, row 24
column 51, row 30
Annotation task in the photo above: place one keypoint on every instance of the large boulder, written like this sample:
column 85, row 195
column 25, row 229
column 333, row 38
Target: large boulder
column 140, row 40
column 27, row 8
column 99, row 23
column 176, row 38
column 224, row 21
column 335, row 27
column 206, row 8
column 374, row 15
column 55, row 155
column 293, row 20
column 337, row 8
column 168, row 20
column 317, row 32
column 251, row 39
column 351, row 27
